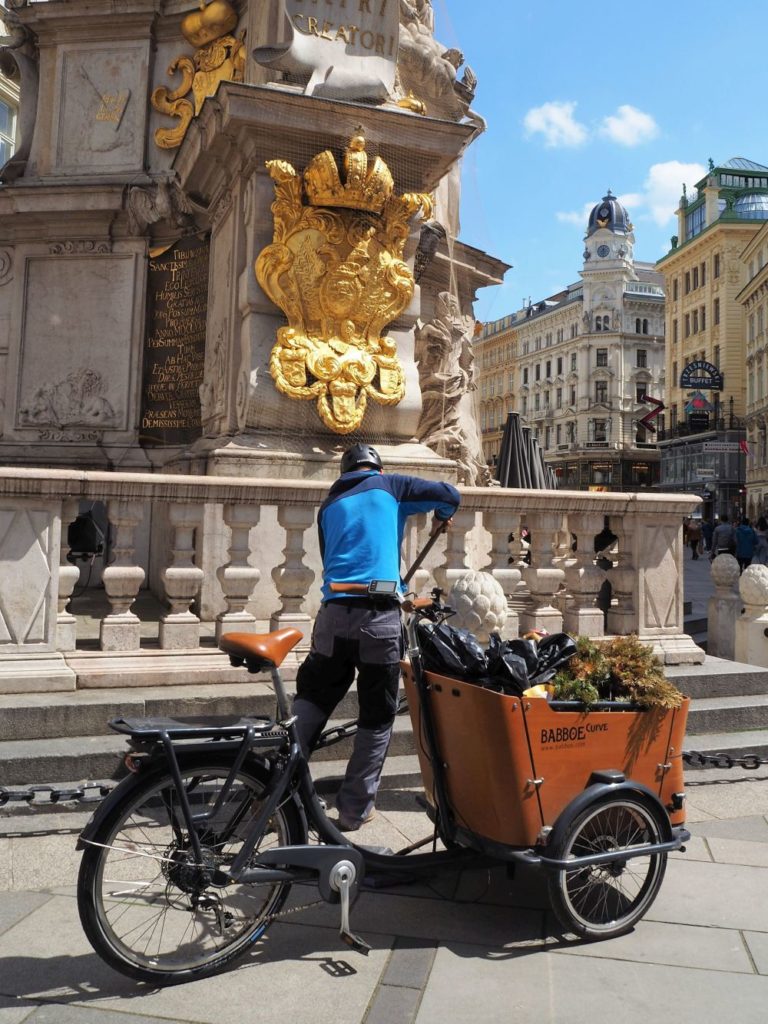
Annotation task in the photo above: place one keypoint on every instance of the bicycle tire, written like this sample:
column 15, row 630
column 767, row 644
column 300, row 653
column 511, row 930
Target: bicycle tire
column 604, row 901
column 162, row 924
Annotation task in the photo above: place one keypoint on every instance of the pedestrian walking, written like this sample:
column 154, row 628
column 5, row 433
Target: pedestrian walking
column 746, row 541
column 760, row 557
column 361, row 526
column 707, row 529
column 694, row 537
column 723, row 539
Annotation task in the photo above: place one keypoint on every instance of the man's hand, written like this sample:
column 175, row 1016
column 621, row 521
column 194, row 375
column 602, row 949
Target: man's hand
column 439, row 525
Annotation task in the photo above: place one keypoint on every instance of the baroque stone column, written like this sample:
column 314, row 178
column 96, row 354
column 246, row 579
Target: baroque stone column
column 456, row 546
column 120, row 629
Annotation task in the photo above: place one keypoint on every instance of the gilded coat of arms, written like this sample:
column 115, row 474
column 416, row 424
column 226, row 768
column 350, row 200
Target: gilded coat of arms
column 335, row 267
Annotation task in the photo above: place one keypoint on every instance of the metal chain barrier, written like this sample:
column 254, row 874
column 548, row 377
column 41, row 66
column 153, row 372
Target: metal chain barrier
column 696, row 759
column 39, row 796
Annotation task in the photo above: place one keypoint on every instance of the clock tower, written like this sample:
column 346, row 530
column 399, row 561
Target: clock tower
column 608, row 258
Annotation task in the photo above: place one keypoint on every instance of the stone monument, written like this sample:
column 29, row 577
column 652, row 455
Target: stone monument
column 229, row 240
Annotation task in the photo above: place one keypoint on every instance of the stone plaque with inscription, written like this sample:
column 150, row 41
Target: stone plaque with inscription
column 174, row 347
column 347, row 48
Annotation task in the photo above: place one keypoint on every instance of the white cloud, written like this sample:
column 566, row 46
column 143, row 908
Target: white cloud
column 659, row 199
column 664, row 186
column 629, row 126
column 555, row 121
column 577, row 217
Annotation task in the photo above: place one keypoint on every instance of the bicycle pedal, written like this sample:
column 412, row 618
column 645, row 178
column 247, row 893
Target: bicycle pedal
column 356, row 943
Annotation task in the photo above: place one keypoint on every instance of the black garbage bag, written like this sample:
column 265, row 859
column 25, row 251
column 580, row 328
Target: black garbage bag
column 518, row 664
column 451, row 652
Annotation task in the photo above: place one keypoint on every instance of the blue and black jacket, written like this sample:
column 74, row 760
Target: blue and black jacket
column 362, row 520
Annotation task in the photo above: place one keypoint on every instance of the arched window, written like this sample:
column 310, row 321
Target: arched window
column 637, row 326
column 645, row 326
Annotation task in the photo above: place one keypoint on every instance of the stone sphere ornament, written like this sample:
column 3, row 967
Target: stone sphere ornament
column 725, row 571
column 753, row 585
column 480, row 604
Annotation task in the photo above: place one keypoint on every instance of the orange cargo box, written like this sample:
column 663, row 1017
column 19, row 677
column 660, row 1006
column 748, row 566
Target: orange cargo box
column 512, row 764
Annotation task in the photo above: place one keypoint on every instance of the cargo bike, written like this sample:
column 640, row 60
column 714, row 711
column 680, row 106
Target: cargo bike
column 191, row 858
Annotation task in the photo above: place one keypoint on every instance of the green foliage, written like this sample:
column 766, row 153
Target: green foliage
column 618, row 669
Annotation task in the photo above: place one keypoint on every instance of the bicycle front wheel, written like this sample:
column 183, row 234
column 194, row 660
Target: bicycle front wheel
column 148, row 908
column 600, row 901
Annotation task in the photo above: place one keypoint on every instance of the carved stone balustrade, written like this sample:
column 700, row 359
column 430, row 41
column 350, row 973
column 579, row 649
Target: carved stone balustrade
column 268, row 574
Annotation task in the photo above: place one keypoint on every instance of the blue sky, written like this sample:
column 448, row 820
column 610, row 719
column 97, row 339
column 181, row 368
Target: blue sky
column 580, row 98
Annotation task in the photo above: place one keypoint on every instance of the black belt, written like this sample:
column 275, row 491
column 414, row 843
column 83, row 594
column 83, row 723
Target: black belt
column 379, row 603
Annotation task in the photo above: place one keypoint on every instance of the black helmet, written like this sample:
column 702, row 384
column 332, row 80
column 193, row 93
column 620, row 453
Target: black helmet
column 359, row 455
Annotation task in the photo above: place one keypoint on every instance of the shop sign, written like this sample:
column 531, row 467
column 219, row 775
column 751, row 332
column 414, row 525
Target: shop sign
column 721, row 446
column 701, row 374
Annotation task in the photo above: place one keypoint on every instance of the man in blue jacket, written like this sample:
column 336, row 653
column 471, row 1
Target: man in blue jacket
column 361, row 526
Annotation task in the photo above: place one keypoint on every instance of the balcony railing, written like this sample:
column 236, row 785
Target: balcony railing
column 219, row 554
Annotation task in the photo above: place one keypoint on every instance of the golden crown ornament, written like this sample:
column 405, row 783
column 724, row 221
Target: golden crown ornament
column 335, row 267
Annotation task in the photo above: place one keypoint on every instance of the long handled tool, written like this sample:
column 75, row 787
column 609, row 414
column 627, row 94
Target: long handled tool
column 440, row 527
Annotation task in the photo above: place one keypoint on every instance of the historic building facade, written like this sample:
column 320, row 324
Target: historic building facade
column 9, row 105
column 754, row 300
column 582, row 361
column 704, row 275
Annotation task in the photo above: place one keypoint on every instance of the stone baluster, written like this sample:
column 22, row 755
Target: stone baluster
column 622, row 615
column 456, row 546
column 66, row 623
column 417, row 539
column 180, row 627
column 293, row 578
column 752, row 626
column 120, row 629
column 724, row 608
column 237, row 578
column 583, row 579
column 500, row 525
column 542, row 577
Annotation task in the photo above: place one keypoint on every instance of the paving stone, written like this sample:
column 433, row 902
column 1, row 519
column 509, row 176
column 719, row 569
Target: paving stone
column 727, row 799
column 737, row 851
column 15, row 906
column 673, row 945
column 753, row 828
column 757, row 942
column 554, row 988
column 56, row 1013
column 714, row 895
column 409, row 964
column 44, row 861
column 393, row 1006
column 5, row 865
column 47, row 957
column 14, row 1012
column 697, row 848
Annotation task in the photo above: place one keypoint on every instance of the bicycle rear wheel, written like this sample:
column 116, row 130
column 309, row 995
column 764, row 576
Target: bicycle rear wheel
column 148, row 909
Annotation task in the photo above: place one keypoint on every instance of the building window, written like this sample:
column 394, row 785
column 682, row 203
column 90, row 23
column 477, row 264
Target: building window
column 573, row 362
column 703, row 274
column 537, row 371
column 717, row 356
column 695, row 321
column 716, row 265
column 601, row 392
column 536, row 403
column 687, row 331
column 716, row 311
column 549, row 369
column 547, row 437
column 559, row 398
column 559, row 365
column 546, row 399
column 549, row 339
column 525, row 375
column 640, row 393
column 675, row 285
column 674, row 332
column 7, row 131
column 558, row 434
column 674, row 375
column 703, row 318
column 638, row 325
column 600, row 430
column 687, row 281
column 642, row 358
column 525, row 405
column 695, row 280
column 573, row 396
column 601, row 357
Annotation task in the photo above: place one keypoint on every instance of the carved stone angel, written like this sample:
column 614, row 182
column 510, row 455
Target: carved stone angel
column 163, row 201
column 446, row 375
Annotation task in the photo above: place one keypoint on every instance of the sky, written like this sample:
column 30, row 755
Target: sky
column 585, row 97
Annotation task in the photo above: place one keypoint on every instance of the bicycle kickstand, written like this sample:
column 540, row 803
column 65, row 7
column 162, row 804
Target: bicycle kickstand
column 341, row 880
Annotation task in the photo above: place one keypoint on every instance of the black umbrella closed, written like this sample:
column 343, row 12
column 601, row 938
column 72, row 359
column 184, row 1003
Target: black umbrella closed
column 521, row 461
